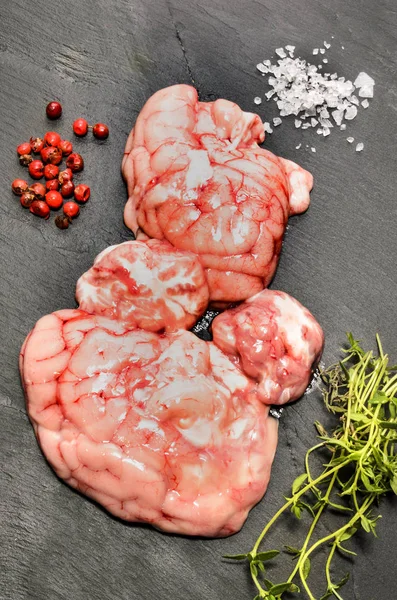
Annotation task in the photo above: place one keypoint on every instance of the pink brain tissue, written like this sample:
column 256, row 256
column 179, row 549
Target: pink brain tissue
column 129, row 406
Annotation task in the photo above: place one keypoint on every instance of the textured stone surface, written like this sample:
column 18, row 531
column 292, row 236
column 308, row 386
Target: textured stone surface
column 102, row 60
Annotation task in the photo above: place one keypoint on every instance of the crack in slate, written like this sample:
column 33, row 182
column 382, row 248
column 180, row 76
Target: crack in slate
column 181, row 44
column 178, row 37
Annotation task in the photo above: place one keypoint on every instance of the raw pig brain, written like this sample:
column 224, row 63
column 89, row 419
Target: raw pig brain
column 197, row 178
column 153, row 423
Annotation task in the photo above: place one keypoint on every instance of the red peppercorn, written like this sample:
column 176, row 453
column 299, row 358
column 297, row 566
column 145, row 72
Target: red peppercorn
column 19, row 186
column 51, row 155
column 67, row 189
column 71, row 209
column 27, row 199
column 51, row 171
column 25, row 159
column 37, row 144
column 38, row 189
column 44, row 153
column 40, row 208
column 52, row 138
column 53, row 110
column 80, row 127
column 54, row 199
column 82, row 193
column 62, row 221
column 100, row 131
column 66, row 147
column 24, row 148
column 52, row 184
column 64, row 176
column 36, row 169
column 75, row 162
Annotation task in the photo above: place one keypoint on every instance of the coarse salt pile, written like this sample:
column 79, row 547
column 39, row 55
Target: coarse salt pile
column 319, row 100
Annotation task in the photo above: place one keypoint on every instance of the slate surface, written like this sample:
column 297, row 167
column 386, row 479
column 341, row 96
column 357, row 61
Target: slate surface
column 102, row 60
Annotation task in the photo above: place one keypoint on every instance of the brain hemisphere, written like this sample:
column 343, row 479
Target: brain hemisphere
column 197, row 177
column 155, row 427
column 147, row 284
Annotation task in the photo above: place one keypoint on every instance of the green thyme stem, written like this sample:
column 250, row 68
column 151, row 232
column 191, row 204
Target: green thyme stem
column 327, row 538
column 307, row 456
column 313, row 525
column 338, row 532
column 292, row 500
column 258, row 585
column 328, row 569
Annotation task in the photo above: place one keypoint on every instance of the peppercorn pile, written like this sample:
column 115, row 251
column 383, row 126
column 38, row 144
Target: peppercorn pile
column 59, row 185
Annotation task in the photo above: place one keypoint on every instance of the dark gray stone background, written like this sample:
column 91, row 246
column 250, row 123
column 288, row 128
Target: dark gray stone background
column 102, row 60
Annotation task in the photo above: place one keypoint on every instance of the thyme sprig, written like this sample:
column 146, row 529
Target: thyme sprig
column 361, row 391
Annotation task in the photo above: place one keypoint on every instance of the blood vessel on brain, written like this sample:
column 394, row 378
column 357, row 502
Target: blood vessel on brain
column 134, row 410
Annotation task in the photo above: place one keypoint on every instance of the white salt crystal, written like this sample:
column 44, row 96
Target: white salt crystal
column 313, row 122
column 298, row 123
column 365, row 103
column 322, row 50
column 359, row 147
column 291, row 50
column 267, row 127
column 313, row 149
column 280, row 52
column 363, row 80
column 354, row 100
column 298, row 146
column 315, row 51
column 351, row 112
column 277, row 121
column 306, row 125
column 332, row 101
column 343, row 127
column 325, row 123
column 327, row 45
column 342, row 47
column 337, row 115
column 262, row 68
column 257, row 100
column 366, row 91
column 320, row 131
column 326, row 131
column 267, row 62
column 325, row 60
column 350, row 140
